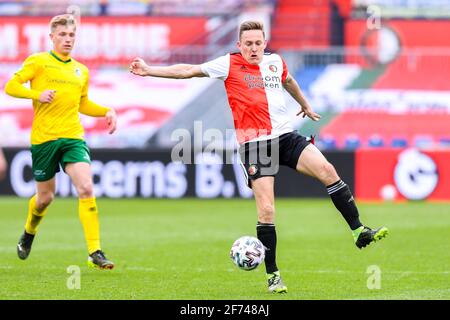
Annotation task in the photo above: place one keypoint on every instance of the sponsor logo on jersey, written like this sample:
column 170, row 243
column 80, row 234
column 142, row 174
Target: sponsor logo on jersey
column 52, row 66
column 273, row 68
column 257, row 81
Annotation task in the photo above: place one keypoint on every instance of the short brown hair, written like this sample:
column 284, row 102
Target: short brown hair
column 62, row 20
column 251, row 25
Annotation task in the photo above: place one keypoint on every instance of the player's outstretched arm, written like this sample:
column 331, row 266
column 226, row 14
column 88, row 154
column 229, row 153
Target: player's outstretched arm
column 294, row 90
column 176, row 71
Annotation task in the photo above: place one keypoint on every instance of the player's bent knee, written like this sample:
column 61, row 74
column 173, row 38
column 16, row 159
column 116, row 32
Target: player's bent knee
column 327, row 173
column 44, row 199
column 85, row 190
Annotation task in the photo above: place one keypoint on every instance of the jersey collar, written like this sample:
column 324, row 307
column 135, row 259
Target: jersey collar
column 55, row 55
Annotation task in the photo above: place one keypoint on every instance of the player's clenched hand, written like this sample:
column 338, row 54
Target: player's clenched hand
column 138, row 67
column 47, row 96
column 308, row 112
column 111, row 119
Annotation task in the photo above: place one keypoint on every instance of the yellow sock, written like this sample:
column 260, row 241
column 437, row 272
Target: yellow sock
column 34, row 216
column 89, row 219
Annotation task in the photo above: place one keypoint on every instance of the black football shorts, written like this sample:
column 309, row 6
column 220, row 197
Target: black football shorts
column 263, row 158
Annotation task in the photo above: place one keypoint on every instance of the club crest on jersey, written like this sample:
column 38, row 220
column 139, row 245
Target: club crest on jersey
column 253, row 169
column 78, row 72
column 273, row 68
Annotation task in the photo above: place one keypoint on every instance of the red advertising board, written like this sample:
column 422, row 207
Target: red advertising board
column 399, row 174
column 382, row 41
column 109, row 39
column 411, row 33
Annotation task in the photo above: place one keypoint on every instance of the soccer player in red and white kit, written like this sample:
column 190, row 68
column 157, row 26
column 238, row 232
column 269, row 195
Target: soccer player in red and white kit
column 254, row 82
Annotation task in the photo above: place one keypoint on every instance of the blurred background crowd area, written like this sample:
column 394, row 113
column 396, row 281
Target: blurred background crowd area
column 391, row 8
column 139, row 7
column 376, row 70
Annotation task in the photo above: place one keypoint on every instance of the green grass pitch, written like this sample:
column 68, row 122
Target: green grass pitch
column 179, row 249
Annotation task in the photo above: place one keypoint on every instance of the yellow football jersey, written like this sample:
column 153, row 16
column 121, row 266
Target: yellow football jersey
column 69, row 79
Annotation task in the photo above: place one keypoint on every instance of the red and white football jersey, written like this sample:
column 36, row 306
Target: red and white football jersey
column 255, row 94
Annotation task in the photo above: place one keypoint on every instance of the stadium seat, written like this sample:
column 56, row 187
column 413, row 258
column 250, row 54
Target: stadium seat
column 376, row 141
column 352, row 142
column 444, row 142
column 423, row 141
column 327, row 142
column 398, row 142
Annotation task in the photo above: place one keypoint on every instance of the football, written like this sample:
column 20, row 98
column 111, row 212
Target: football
column 247, row 253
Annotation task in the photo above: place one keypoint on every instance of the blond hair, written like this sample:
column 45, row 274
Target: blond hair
column 251, row 25
column 62, row 20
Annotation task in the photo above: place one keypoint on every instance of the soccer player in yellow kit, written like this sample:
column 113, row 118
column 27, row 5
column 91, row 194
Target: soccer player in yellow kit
column 59, row 90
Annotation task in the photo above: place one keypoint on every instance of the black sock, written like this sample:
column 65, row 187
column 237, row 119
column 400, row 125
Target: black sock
column 267, row 235
column 343, row 200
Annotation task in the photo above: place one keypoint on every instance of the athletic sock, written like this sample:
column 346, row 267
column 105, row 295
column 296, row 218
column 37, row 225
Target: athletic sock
column 343, row 200
column 267, row 235
column 89, row 219
column 34, row 216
